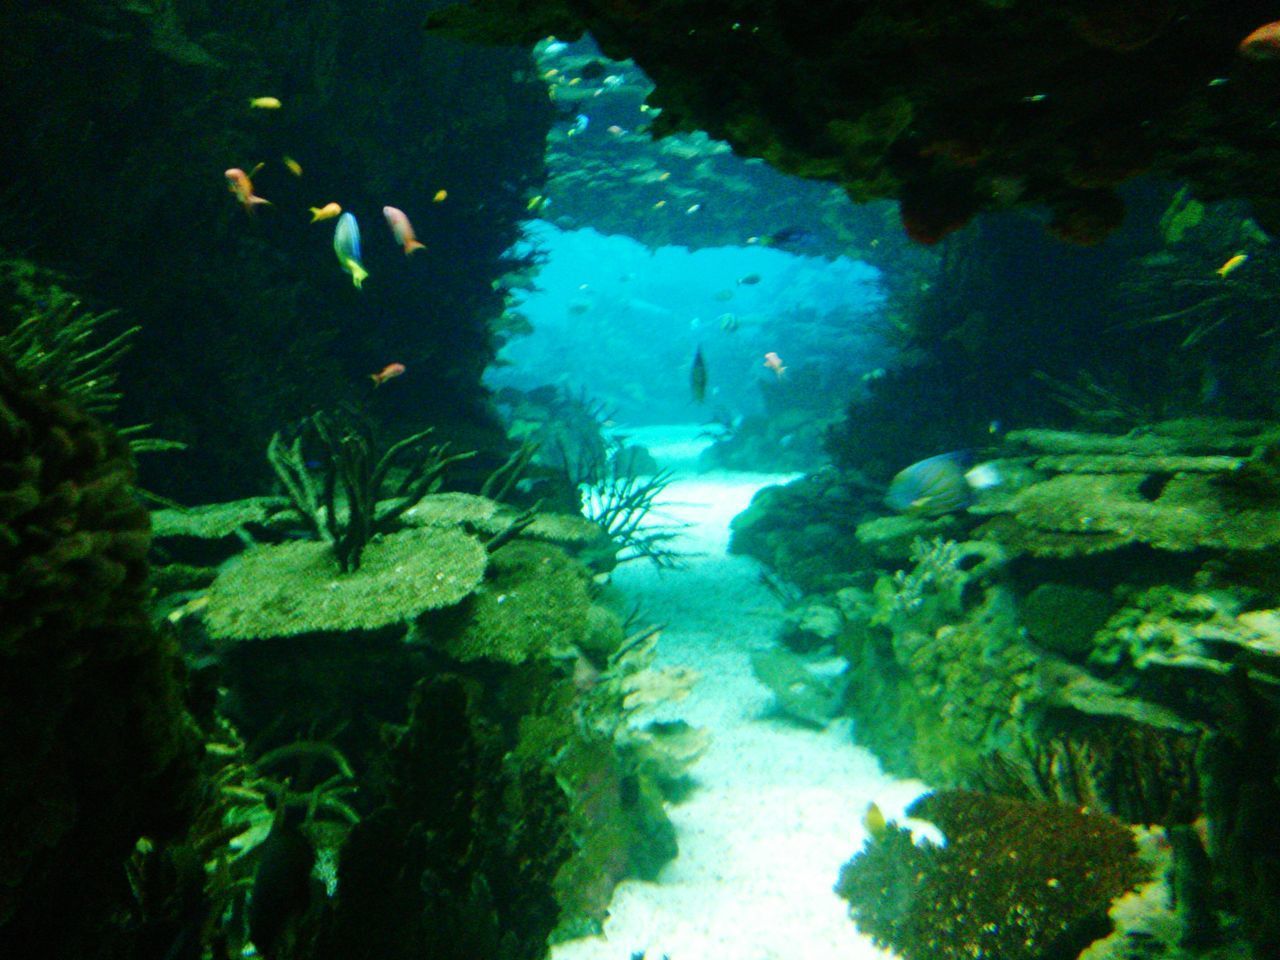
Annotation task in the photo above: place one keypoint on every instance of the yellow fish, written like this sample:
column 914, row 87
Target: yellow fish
column 327, row 212
column 874, row 823
column 1232, row 265
column 293, row 165
column 440, row 197
column 535, row 203
column 265, row 103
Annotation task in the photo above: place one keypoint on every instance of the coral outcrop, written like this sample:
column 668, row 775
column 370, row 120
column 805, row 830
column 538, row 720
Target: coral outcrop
column 1014, row 880
column 96, row 750
column 953, row 110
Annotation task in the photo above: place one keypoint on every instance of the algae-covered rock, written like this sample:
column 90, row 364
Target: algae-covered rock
column 215, row 520
column 1079, row 513
column 534, row 603
column 292, row 588
column 453, row 509
column 891, row 537
column 801, row 693
column 1205, row 631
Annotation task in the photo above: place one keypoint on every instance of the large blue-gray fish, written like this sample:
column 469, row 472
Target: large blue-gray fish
column 938, row 485
column 346, row 244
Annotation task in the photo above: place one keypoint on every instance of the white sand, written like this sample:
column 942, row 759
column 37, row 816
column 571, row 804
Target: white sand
column 778, row 807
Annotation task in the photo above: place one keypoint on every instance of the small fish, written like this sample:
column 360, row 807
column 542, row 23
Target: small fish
column 874, row 823
column 402, row 229
column 939, row 485
column 750, row 280
column 660, row 204
column 555, row 47
column 327, row 212
column 292, row 165
column 1232, row 265
column 239, row 183
column 728, row 322
column 346, row 244
column 774, row 363
column 580, row 124
column 698, row 377
column 440, row 197
column 265, row 103
column 1263, row 43
column 535, row 203
column 693, row 208
column 389, row 372
column 614, row 130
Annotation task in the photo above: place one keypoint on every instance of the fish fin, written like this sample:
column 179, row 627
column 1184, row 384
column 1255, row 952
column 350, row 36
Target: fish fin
column 984, row 476
column 254, row 172
column 258, row 201
column 412, row 246
column 377, row 381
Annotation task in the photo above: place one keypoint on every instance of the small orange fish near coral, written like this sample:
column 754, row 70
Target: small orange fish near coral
column 239, row 183
column 389, row 372
column 1232, row 265
column 1263, row 43
column 327, row 212
column 402, row 229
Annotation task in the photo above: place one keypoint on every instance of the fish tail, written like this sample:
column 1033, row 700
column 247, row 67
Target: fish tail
column 315, row 213
column 255, row 201
column 410, row 246
column 377, row 380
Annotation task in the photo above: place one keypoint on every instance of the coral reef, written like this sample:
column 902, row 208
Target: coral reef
column 1015, row 880
column 97, row 749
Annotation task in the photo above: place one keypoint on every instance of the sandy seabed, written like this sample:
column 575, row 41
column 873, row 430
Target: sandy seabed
column 778, row 807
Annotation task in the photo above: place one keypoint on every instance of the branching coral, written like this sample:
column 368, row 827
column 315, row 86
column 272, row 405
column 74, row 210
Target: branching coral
column 1015, row 880
column 621, row 503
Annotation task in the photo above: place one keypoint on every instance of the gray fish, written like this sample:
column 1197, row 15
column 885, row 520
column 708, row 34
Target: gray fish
column 938, row 485
column 698, row 377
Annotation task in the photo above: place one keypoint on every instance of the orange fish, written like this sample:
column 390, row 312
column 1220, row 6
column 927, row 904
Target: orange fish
column 774, row 363
column 238, row 182
column 1263, row 43
column 327, row 212
column 403, row 229
column 389, row 372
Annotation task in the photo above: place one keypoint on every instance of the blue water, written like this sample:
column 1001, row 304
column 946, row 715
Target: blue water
column 622, row 322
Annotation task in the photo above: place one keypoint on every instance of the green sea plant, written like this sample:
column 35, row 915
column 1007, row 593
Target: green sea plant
column 49, row 334
column 353, row 500
column 1015, row 880
column 622, row 504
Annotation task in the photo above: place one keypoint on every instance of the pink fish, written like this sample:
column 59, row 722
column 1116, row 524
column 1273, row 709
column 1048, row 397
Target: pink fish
column 403, row 229
column 389, row 372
